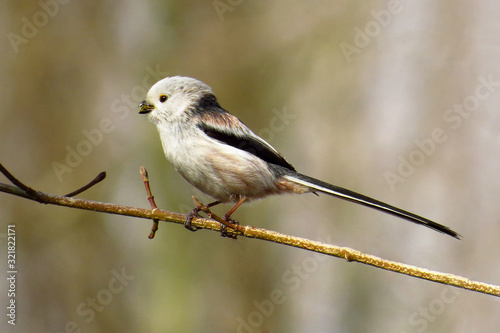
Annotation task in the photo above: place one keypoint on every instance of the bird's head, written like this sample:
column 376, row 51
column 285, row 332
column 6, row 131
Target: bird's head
column 172, row 98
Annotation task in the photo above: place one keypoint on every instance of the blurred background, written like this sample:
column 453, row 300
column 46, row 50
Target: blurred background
column 397, row 100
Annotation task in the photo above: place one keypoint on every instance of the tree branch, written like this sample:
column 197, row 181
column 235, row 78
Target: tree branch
column 151, row 199
column 99, row 178
column 21, row 190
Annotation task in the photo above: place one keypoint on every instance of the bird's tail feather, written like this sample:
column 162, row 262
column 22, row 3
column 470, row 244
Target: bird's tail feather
column 318, row 185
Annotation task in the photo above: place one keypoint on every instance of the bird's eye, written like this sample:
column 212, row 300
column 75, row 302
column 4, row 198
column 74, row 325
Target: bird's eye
column 163, row 98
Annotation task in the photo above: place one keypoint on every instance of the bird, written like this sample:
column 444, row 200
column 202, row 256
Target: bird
column 218, row 154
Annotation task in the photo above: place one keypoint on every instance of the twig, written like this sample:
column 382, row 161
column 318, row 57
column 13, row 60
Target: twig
column 35, row 194
column 15, row 181
column 99, row 178
column 348, row 254
column 151, row 199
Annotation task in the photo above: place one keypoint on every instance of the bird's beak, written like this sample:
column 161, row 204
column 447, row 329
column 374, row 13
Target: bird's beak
column 146, row 107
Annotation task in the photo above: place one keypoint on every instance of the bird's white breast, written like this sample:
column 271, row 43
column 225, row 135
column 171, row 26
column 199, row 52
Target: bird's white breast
column 221, row 171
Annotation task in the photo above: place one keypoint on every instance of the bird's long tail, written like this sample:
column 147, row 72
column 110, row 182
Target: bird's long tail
column 336, row 191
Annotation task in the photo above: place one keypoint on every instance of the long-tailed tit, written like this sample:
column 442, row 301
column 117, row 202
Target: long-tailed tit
column 215, row 152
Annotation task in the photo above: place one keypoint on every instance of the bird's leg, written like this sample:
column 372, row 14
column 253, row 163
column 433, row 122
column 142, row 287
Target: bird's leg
column 227, row 218
column 194, row 213
column 231, row 211
column 224, row 222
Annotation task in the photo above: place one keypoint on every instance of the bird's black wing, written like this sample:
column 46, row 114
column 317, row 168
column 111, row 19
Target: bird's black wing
column 247, row 142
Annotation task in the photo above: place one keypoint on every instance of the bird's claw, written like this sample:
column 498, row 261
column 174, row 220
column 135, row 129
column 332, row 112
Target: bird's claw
column 190, row 217
column 225, row 233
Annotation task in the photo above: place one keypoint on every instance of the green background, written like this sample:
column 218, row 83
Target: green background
column 364, row 85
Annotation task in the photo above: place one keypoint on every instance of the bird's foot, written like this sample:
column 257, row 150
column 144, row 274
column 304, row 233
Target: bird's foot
column 187, row 223
column 223, row 228
column 224, row 222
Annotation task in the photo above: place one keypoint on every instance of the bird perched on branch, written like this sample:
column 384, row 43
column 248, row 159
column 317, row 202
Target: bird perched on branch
column 218, row 154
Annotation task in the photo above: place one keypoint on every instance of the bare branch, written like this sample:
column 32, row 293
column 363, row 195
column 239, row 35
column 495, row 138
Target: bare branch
column 251, row 232
column 99, row 178
column 151, row 199
column 15, row 181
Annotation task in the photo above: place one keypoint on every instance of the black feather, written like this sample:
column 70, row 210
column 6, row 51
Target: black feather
column 247, row 144
column 364, row 200
column 208, row 105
